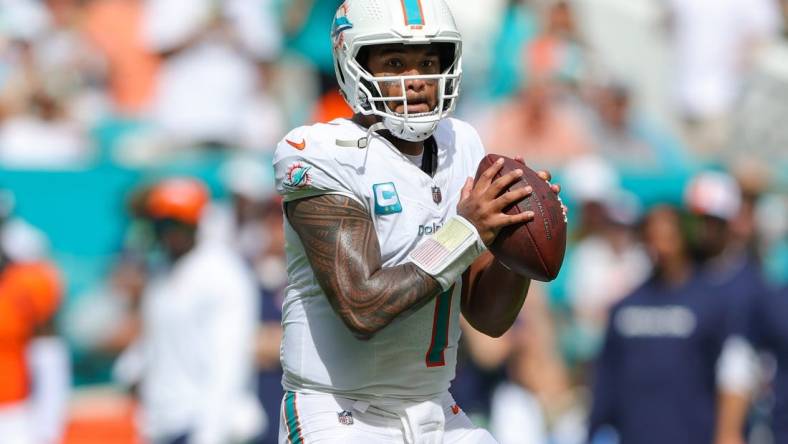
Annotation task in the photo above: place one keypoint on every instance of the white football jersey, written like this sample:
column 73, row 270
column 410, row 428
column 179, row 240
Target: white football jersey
column 414, row 357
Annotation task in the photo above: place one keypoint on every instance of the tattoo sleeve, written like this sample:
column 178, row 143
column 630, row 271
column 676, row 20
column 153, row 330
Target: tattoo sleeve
column 342, row 246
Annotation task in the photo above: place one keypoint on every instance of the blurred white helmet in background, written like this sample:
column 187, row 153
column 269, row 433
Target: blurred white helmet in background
column 360, row 23
column 713, row 193
column 590, row 178
column 249, row 176
column 22, row 242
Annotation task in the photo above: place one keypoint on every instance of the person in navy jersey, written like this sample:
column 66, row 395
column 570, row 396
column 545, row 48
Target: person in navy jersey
column 733, row 274
column 768, row 330
column 725, row 262
column 655, row 381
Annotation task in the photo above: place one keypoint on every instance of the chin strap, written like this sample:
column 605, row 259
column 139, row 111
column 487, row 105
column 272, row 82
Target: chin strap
column 362, row 142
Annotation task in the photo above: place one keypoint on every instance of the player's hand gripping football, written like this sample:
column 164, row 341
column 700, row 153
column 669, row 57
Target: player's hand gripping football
column 482, row 203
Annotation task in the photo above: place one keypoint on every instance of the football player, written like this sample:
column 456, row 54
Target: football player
column 386, row 238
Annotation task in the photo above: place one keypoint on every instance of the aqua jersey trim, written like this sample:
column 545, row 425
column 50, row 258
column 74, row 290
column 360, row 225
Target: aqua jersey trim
column 291, row 419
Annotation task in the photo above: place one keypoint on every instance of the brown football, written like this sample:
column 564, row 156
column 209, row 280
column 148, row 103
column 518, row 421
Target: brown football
column 534, row 249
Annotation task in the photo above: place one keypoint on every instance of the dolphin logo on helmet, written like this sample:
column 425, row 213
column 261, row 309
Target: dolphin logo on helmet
column 360, row 23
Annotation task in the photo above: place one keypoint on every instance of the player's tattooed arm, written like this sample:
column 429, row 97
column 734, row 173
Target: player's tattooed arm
column 340, row 241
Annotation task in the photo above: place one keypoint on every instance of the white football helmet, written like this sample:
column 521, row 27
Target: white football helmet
column 360, row 23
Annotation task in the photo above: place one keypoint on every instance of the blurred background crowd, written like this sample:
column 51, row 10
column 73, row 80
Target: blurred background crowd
column 141, row 248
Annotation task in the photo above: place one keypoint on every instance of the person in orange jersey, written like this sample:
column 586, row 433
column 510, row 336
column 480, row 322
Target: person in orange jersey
column 33, row 361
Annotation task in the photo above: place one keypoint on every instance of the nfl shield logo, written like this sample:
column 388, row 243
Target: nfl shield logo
column 345, row 418
column 436, row 195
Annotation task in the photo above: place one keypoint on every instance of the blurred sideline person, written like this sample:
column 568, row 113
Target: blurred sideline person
column 608, row 261
column 258, row 230
column 34, row 363
column 657, row 376
column 734, row 275
column 249, row 182
column 767, row 331
column 371, row 315
column 194, row 359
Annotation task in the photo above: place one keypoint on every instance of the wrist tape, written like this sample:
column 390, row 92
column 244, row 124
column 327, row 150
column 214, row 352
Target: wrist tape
column 446, row 254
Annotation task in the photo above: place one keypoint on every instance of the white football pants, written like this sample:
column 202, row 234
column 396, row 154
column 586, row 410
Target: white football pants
column 323, row 418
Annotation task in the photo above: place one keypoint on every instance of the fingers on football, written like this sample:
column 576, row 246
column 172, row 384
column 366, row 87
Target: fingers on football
column 545, row 175
column 486, row 178
column 512, row 197
column 503, row 182
column 507, row 219
column 556, row 188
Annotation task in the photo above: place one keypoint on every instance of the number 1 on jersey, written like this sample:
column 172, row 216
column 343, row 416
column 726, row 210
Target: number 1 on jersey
column 440, row 329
